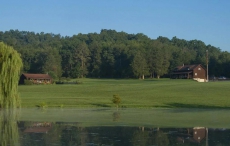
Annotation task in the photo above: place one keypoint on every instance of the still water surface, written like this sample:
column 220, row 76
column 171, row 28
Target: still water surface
column 109, row 127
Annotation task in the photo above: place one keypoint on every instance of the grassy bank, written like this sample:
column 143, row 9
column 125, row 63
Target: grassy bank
column 158, row 117
column 134, row 93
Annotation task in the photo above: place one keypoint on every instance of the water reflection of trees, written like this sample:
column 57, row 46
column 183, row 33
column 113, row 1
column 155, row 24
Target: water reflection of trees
column 150, row 136
column 161, row 138
column 140, row 138
column 8, row 128
column 116, row 116
column 67, row 134
column 73, row 136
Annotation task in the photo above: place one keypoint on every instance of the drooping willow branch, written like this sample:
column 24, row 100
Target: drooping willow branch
column 10, row 66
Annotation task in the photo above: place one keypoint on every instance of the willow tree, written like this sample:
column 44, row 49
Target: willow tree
column 10, row 66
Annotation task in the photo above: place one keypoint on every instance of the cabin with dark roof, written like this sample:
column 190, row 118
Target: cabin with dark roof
column 196, row 72
column 36, row 78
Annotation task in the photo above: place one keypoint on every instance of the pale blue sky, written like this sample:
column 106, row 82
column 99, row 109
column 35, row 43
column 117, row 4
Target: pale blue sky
column 205, row 20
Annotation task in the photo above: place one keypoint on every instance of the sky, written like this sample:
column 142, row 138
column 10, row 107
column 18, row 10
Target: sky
column 205, row 20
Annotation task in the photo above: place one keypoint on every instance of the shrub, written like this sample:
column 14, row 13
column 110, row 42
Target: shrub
column 116, row 100
column 28, row 82
column 68, row 79
column 59, row 82
column 79, row 82
column 42, row 105
column 63, row 79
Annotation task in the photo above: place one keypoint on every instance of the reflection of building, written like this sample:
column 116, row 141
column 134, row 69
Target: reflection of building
column 199, row 133
column 35, row 78
column 39, row 127
column 194, row 135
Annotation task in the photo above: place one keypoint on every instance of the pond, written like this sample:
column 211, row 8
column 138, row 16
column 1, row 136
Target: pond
column 112, row 127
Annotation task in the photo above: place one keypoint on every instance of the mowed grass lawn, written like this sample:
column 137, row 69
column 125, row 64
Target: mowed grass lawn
column 147, row 93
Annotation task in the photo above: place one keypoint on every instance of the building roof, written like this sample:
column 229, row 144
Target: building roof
column 37, row 76
column 187, row 68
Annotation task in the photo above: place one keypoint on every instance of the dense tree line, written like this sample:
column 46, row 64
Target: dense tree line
column 111, row 54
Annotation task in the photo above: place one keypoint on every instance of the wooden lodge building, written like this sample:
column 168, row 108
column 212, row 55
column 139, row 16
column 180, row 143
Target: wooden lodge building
column 35, row 78
column 196, row 72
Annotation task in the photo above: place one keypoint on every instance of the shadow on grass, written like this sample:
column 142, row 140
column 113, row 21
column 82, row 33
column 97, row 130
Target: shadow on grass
column 100, row 105
column 151, row 80
column 181, row 105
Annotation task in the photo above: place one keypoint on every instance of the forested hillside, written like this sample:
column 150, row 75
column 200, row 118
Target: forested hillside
column 111, row 54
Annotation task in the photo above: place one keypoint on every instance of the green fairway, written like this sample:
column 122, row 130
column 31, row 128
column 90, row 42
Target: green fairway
column 148, row 93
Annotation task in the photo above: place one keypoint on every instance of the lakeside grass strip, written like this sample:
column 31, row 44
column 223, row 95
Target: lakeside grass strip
column 156, row 117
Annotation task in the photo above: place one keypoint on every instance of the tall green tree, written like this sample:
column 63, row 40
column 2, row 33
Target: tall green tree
column 95, row 59
column 108, row 60
column 160, row 58
column 10, row 67
column 82, row 56
column 139, row 66
column 52, row 63
column 224, row 64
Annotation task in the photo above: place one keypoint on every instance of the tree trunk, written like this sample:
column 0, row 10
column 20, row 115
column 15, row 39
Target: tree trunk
column 82, row 67
column 143, row 129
